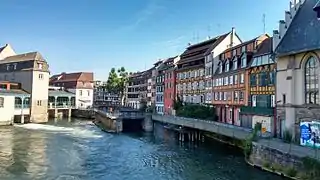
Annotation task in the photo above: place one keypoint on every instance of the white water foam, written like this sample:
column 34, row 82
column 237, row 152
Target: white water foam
column 74, row 131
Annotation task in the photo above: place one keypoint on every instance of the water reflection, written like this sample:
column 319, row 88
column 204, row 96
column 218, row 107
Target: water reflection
column 79, row 150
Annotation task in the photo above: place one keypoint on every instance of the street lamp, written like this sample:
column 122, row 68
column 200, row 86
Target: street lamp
column 317, row 9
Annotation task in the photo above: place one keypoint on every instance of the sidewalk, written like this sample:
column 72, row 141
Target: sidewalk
column 295, row 150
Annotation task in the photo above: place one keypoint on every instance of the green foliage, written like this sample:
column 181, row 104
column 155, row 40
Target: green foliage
column 311, row 168
column 266, row 164
column 247, row 144
column 287, row 136
column 291, row 172
column 177, row 104
column 151, row 109
column 117, row 81
column 195, row 111
column 143, row 105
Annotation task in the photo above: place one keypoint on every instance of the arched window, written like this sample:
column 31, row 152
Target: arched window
column 311, row 81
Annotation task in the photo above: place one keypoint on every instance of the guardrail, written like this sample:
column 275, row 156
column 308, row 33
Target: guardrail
column 123, row 115
column 210, row 126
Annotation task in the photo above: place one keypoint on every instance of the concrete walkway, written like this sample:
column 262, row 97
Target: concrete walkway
column 292, row 149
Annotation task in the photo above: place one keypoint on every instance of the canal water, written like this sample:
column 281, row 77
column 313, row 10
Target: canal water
column 79, row 150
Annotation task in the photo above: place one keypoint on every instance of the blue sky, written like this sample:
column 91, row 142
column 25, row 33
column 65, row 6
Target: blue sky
column 85, row 35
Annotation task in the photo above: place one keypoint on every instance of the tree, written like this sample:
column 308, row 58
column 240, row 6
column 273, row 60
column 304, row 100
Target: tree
column 123, row 79
column 113, row 81
column 117, row 81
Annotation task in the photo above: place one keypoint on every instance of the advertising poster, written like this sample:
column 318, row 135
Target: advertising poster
column 310, row 134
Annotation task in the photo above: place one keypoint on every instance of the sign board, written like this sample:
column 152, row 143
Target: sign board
column 310, row 134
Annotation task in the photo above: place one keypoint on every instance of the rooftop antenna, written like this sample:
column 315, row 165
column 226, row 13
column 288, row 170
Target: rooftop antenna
column 197, row 36
column 209, row 31
column 264, row 23
column 194, row 36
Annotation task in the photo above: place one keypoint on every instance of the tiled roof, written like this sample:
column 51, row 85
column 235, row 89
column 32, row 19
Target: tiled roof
column 14, row 92
column 198, row 51
column 69, row 77
column 303, row 32
column 265, row 47
column 23, row 57
column 60, row 93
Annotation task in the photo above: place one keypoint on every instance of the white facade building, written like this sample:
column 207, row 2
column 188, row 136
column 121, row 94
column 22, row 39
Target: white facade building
column 32, row 71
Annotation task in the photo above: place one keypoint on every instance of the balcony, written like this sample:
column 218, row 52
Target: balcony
column 20, row 108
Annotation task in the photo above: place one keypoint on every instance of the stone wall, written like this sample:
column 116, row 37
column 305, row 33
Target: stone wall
column 79, row 113
column 112, row 125
column 210, row 126
column 262, row 155
column 147, row 123
column 301, row 113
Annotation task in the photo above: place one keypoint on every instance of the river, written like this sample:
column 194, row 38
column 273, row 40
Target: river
column 79, row 150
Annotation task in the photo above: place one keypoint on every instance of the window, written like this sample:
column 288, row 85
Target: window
column 242, row 78
column 8, row 67
column 220, row 67
column 236, row 95
column 220, row 95
column 272, row 78
column 227, row 66
column 243, row 62
column 1, row 102
column 241, row 95
column 234, row 52
column 235, row 79
column 311, row 81
column 284, row 98
column 39, row 103
column 254, row 100
column 263, row 79
column 40, row 76
column 235, row 63
column 40, row 65
column 273, row 101
column 80, row 92
column 15, row 66
column 231, row 80
column 243, row 49
column 253, row 79
column 226, row 80
column 224, row 96
column 88, row 91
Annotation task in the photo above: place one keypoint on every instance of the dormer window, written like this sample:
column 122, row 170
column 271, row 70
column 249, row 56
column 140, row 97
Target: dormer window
column 227, row 66
column 243, row 49
column 8, row 67
column 15, row 66
column 235, row 63
column 220, row 68
column 243, row 62
column 234, row 52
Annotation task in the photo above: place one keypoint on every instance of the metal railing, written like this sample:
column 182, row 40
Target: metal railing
column 19, row 106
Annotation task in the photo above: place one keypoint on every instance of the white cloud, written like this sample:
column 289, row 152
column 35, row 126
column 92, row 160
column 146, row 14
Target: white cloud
column 152, row 8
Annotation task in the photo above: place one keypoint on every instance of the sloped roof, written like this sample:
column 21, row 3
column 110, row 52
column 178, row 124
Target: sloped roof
column 265, row 47
column 303, row 33
column 198, row 51
column 2, row 48
column 23, row 57
column 68, row 77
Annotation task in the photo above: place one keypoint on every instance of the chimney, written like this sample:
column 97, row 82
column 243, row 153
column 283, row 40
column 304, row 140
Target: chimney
column 233, row 32
column 208, row 37
column 189, row 44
